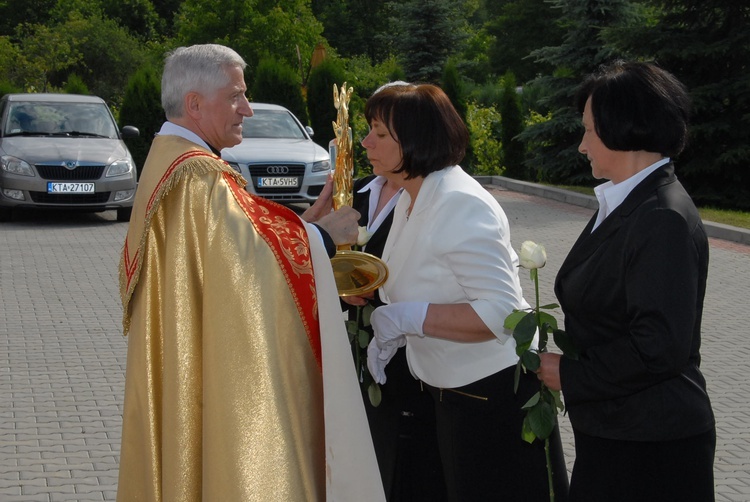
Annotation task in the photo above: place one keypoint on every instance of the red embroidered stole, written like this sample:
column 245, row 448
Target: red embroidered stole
column 282, row 230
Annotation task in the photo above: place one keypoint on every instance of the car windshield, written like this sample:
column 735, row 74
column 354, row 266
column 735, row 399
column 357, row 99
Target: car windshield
column 271, row 124
column 59, row 119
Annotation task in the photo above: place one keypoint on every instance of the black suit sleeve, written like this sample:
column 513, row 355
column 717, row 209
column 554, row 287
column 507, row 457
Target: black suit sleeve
column 327, row 241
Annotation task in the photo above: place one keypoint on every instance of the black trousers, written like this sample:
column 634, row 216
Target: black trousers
column 403, row 433
column 628, row 471
column 483, row 455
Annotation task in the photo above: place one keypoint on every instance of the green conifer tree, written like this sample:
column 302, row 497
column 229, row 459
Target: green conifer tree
column 320, row 99
column 277, row 83
column 553, row 143
column 511, row 126
column 428, row 33
column 707, row 46
column 75, row 85
column 141, row 107
column 454, row 88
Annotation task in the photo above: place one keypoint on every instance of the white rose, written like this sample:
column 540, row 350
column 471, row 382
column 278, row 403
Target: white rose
column 363, row 237
column 532, row 255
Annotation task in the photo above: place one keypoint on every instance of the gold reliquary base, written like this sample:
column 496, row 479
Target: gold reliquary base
column 357, row 273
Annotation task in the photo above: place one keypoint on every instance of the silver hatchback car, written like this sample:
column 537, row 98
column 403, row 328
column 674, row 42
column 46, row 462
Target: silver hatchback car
column 278, row 157
column 63, row 151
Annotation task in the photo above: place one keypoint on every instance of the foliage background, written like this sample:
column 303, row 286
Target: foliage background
column 475, row 49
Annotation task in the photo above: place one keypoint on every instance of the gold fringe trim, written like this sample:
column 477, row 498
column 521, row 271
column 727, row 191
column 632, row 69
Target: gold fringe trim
column 195, row 166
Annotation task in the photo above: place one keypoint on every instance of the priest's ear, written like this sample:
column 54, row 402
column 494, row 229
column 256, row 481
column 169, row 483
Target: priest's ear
column 194, row 103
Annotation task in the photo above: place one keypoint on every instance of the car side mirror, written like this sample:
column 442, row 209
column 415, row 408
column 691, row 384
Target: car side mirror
column 130, row 132
column 310, row 131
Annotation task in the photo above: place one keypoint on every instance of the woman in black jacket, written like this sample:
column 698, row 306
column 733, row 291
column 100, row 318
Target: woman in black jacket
column 632, row 291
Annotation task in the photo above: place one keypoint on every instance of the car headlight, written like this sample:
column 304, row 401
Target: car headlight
column 118, row 168
column 235, row 166
column 323, row 165
column 15, row 165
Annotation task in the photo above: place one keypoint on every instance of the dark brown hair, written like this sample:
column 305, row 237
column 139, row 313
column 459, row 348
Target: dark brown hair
column 422, row 119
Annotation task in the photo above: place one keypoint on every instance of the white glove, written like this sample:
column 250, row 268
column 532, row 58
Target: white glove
column 390, row 324
column 377, row 358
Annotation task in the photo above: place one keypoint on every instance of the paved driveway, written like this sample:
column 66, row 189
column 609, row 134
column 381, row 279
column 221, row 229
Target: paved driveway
column 62, row 355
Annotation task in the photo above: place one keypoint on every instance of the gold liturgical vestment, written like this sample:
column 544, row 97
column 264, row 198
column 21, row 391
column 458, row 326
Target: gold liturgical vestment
column 228, row 357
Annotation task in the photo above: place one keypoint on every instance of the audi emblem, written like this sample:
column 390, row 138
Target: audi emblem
column 70, row 165
column 277, row 170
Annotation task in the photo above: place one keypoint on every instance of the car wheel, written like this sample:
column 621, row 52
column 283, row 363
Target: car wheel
column 123, row 214
column 6, row 213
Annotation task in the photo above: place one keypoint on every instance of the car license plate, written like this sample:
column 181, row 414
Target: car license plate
column 278, row 182
column 57, row 187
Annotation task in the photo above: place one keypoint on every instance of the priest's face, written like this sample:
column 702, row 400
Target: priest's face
column 222, row 112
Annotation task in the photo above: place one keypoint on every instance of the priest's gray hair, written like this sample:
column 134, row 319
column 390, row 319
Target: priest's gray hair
column 198, row 68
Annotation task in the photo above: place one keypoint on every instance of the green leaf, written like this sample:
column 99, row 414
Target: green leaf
column 548, row 319
column 550, row 306
column 366, row 313
column 530, row 360
column 364, row 338
column 542, row 419
column 373, row 392
column 564, row 343
column 526, row 433
column 517, row 377
column 351, row 329
column 512, row 320
column 522, row 349
column 533, row 401
column 524, row 332
column 543, row 338
column 558, row 399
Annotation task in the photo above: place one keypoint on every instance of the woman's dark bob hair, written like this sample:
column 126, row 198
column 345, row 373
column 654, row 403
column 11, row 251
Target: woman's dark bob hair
column 423, row 121
column 637, row 106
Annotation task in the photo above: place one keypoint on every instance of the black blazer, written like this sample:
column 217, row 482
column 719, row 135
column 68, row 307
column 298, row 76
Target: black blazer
column 632, row 294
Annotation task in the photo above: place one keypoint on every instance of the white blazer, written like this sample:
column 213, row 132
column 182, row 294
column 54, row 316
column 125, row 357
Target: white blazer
column 454, row 248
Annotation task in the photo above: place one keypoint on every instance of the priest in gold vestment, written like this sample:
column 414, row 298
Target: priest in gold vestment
column 239, row 382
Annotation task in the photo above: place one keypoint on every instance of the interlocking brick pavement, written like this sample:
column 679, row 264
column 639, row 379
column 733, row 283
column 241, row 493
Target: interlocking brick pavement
column 62, row 355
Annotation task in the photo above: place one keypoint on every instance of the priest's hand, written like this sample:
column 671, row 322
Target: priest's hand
column 323, row 205
column 342, row 225
column 358, row 301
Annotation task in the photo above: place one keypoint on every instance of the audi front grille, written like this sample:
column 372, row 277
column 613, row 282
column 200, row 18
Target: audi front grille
column 262, row 170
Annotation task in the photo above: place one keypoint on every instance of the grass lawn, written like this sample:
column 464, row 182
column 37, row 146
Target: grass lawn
column 727, row 217
column 734, row 218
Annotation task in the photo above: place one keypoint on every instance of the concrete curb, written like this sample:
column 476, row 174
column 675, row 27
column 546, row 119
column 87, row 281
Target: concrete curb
column 715, row 230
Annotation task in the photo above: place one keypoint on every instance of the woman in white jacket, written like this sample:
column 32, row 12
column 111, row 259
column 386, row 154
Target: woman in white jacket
column 453, row 278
